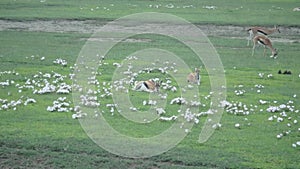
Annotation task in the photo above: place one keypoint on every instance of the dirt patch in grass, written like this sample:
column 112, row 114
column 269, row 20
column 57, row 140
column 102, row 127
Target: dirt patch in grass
column 288, row 34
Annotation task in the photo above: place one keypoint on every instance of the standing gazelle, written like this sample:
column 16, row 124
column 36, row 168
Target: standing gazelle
column 254, row 31
column 262, row 40
column 194, row 77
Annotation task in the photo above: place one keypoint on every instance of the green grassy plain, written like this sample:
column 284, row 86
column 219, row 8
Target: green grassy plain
column 228, row 12
column 31, row 137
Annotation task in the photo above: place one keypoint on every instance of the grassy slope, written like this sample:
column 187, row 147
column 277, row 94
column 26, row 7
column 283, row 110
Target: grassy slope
column 31, row 137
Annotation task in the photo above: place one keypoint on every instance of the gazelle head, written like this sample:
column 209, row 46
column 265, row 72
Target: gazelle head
column 274, row 53
column 157, row 86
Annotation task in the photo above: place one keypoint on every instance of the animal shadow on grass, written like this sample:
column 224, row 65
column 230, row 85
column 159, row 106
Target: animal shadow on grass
column 286, row 72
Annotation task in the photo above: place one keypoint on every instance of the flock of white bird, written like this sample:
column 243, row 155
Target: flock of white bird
column 52, row 82
column 60, row 105
column 286, row 114
column 167, row 6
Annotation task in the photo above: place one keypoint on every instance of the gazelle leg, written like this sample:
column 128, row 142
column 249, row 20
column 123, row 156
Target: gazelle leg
column 253, row 49
column 248, row 41
column 250, row 38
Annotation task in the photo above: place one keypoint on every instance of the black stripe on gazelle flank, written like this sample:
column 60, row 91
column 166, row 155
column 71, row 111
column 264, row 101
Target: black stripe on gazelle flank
column 262, row 32
column 261, row 42
column 146, row 85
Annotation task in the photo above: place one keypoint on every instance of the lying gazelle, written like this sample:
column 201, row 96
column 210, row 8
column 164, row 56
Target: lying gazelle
column 254, row 31
column 147, row 86
column 194, row 77
column 262, row 40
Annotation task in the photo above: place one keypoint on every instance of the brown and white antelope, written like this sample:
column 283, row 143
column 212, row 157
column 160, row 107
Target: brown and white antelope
column 147, row 86
column 266, row 42
column 194, row 77
column 254, row 31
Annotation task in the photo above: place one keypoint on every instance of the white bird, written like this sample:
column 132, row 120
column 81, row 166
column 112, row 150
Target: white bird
column 237, row 125
column 279, row 135
column 168, row 118
column 270, row 118
column 263, row 101
column 160, row 111
column 178, row 100
column 216, row 126
column 279, row 119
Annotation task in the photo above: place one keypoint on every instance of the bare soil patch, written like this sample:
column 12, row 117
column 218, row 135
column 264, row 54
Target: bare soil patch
column 288, row 34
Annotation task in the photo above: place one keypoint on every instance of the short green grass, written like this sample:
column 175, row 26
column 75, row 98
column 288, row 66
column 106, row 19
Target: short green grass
column 30, row 131
column 248, row 12
column 31, row 137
